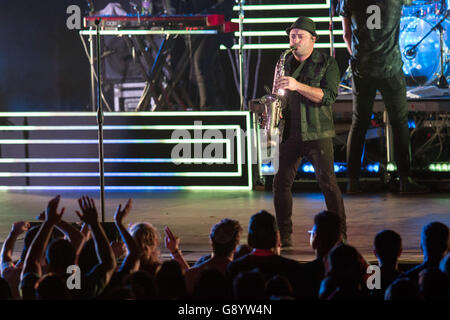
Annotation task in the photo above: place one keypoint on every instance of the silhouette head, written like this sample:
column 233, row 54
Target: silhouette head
column 388, row 246
column 225, row 236
column 263, row 231
column 434, row 240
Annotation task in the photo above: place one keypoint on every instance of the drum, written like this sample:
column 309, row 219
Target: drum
column 421, row 9
column 421, row 66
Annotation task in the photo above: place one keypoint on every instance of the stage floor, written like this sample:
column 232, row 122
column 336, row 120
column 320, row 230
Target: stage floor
column 190, row 215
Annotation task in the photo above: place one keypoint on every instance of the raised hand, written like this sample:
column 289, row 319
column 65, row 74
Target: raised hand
column 20, row 227
column 120, row 214
column 119, row 248
column 51, row 212
column 89, row 213
column 171, row 241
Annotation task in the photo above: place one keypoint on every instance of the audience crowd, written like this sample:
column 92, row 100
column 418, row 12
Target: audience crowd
column 62, row 261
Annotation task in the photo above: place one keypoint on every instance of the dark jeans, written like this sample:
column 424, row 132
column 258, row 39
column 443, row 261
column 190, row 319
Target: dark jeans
column 320, row 154
column 393, row 91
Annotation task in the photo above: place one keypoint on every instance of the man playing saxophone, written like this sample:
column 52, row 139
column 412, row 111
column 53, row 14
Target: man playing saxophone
column 310, row 86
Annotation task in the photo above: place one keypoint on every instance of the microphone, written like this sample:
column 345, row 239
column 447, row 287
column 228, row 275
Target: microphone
column 410, row 52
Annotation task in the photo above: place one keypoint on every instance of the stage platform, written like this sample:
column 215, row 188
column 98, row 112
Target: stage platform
column 44, row 154
column 344, row 103
column 190, row 215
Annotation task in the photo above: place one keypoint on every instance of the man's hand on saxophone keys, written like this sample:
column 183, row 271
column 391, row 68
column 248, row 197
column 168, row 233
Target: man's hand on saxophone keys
column 288, row 83
column 314, row 94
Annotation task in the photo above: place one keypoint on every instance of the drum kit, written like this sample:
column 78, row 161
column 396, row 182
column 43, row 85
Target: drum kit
column 425, row 42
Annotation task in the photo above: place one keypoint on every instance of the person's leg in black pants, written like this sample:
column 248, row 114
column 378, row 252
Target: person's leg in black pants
column 321, row 155
column 394, row 97
column 393, row 91
column 289, row 161
column 364, row 91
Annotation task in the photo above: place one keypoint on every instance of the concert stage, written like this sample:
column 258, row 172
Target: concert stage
column 44, row 154
column 218, row 168
column 190, row 215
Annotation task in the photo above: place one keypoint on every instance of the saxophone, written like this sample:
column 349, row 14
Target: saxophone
column 274, row 103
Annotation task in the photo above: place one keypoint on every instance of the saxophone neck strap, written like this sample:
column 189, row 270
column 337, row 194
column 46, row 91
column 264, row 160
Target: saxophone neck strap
column 298, row 70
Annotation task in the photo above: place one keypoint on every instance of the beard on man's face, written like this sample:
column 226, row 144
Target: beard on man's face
column 300, row 49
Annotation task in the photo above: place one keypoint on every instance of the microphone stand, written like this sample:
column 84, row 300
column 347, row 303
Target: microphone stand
column 241, row 53
column 100, row 119
column 331, row 29
column 442, row 82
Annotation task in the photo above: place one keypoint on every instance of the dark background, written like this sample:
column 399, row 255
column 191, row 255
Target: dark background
column 42, row 63
column 43, row 66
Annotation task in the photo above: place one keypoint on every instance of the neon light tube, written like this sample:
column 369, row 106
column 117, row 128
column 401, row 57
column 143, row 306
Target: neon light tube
column 284, row 20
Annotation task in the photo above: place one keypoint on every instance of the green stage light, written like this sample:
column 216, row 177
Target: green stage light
column 325, row 5
column 391, row 167
column 283, row 20
column 281, row 33
column 439, row 167
column 281, row 46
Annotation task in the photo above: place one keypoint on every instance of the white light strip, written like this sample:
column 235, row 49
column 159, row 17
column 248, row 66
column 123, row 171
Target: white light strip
column 113, row 141
column 145, row 32
column 282, row 46
column 121, row 114
column 118, row 174
column 249, row 154
column 118, row 127
column 116, row 160
column 239, row 151
column 258, row 137
column 124, row 188
column 284, row 20
column 283, row 7
column 282, row 33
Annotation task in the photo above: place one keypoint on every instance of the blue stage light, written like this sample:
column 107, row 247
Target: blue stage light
column 340, row 167
column 374, row 167
column 308, row 168
column 267, row 168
